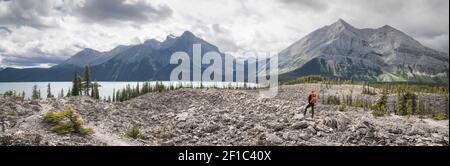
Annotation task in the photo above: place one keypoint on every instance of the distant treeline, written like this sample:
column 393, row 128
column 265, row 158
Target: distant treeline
column 130, row 91
column 407, row 101
column 390, row 87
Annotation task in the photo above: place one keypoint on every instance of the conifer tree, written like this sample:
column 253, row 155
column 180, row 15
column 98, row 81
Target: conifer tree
column 87, row 80
column 123, row 95
column 145, row 88
column 380, row 108
column 118, row 96
column 61, row 95
column 69, row 93
column 80, row 85
column 23, row 95
column 97, row 94
column 446, row 103
column 49, row 91
column 421, row 109
column 92, row 91
column 35, row 93
column 401, row 104
column 137, row 90
column 75, row 86
column 114, row 95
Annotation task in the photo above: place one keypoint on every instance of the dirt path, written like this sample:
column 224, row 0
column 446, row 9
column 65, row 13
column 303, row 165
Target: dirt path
column 99, row 133
column 108, row 138
column 35, row 120
column 436, row 124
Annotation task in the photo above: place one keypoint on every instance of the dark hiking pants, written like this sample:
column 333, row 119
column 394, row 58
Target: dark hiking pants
column 312, row 109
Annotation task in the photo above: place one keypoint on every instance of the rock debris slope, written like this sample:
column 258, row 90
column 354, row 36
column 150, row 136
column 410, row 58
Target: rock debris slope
column 218, row 117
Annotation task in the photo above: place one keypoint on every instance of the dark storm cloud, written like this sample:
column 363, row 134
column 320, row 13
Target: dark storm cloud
column 26, row 12
column 27, row 60
column 314, row 5
column 45, row 16
column 5, row 29
column 33, row 57
column 113, row 11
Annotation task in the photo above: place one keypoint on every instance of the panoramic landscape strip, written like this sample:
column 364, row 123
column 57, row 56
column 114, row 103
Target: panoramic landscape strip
column 111, row 73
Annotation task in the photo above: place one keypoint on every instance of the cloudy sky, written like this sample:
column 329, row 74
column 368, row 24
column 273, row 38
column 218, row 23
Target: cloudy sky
column 46, row 32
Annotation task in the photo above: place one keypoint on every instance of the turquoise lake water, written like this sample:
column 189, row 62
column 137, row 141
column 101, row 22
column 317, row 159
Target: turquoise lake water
column 105, row 90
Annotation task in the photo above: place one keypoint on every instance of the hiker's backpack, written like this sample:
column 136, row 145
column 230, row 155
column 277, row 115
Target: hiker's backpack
column 313, row 98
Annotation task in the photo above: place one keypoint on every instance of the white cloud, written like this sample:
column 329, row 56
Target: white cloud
column 53, row 30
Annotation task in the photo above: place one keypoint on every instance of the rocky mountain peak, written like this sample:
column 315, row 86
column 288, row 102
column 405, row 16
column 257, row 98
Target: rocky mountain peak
column 171, row 36
column 187, row 34
column 152, row 43
column 388, row 27
column 388, row 53
column 89, row 51
column 341, row 24
column 83, row 57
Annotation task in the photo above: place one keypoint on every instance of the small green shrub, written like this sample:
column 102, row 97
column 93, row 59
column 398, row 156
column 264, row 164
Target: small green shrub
column 368, row 90
column 406, row 103
column 174, row 125
column 63, row 128
column 133, row 132
column 362, row 103
column 342, row 108
column 437, row 115
column 165, row 126
column 380, row 108
column 421, row 111
column 53, row 117
column 67, row 121
column 333, row 100
column 446, row 104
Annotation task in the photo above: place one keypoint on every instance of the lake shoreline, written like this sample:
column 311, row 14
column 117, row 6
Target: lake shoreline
column 106, row 88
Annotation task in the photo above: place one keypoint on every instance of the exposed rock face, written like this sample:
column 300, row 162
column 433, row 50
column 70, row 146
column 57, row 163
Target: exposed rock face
column 218, row 117
column 341, row 50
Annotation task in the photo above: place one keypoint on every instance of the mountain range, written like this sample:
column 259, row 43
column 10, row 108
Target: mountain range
column 381, row 54
column 337, row 50
column 142, row 62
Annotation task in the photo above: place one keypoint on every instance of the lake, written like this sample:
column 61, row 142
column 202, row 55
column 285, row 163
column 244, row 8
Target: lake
column 106, row 88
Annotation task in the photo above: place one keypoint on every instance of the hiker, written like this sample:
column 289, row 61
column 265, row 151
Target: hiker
column 312, row 99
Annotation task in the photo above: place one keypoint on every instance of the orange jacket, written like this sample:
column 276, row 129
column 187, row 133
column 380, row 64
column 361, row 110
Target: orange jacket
column 313, row 97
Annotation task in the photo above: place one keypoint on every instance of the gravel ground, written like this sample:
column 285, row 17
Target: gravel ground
column 221, row 117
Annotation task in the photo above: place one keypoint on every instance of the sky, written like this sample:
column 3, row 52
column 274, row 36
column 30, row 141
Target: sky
column 47, row 32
